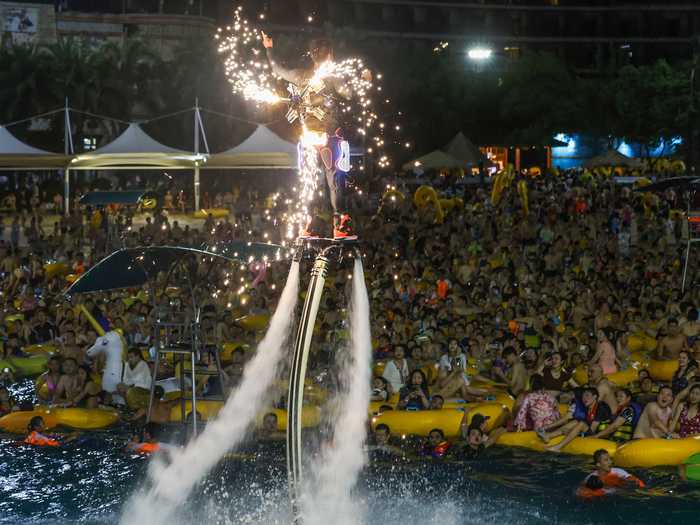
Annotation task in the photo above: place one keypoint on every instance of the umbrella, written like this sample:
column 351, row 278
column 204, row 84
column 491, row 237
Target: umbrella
column 132, row 267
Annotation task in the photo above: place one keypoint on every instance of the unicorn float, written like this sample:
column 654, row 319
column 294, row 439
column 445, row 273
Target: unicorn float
column 111, row 345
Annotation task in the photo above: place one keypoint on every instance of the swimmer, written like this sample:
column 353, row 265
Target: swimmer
column 160, row 411
column 269, row 431
column 145, row 443
column 36, row 436
column 613, row 477
column 382, row 441
column 436, row 446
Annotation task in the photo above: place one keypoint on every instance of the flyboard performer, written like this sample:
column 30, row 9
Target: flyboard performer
column 316, row 96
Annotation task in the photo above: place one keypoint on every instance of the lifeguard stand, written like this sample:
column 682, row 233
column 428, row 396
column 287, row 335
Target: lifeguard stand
column 176, row 336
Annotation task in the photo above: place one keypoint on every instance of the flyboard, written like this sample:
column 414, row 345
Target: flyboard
column 324, row 251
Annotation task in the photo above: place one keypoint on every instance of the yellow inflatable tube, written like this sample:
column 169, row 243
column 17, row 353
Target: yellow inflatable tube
column 207, row 410
column 647, row 453
column 639, row 342
column 217, row 213
column 662, row 370
column 622, row 378
column 77, row 418
column 421, row 422
column 86, row 418
column 253, row 322
column 579, row 446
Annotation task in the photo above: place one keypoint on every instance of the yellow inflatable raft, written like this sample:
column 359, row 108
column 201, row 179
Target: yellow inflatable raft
column 646, row 453
column 217, row 213
column 662, row 370
column 40, row 349
column 27, row 366
column 421, row 422
column 579, row 446
column 77, row 418
column 206, row 409
column 622, row 378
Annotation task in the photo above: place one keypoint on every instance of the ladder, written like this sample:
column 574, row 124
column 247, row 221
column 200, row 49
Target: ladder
column 176, row 336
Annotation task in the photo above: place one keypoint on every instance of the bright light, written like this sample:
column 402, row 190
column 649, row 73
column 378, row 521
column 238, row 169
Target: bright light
column 479, row 53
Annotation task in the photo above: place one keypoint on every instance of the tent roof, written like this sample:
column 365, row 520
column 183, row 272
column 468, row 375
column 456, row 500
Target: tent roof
column 612, row 158
column 49, row 161
column 173, row 161
column 9, row 144
column 262, row 149
column 461, row 148
column 435, row 160
column 135, row 140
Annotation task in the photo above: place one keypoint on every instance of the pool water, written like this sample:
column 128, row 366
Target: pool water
column 90, row 481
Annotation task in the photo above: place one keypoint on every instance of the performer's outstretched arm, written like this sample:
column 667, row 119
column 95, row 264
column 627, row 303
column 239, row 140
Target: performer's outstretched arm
column 295, row 76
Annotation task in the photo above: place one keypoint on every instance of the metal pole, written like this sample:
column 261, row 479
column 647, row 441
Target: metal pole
column 295, row 397
column 196, row 186
column 66, row 192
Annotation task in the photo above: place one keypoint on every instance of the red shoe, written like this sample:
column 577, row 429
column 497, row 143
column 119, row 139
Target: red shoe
column 309, row 232
column 343, row 229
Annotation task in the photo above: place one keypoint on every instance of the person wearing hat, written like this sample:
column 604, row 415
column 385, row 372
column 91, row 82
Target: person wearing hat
column 480, row 423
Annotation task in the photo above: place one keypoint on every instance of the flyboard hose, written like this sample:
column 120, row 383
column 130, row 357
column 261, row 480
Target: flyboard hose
column 295, row 398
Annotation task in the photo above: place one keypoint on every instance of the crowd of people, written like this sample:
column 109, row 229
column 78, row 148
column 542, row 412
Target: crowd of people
column 498, row 294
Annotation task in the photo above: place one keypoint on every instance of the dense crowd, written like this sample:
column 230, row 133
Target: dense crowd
column 490, row 294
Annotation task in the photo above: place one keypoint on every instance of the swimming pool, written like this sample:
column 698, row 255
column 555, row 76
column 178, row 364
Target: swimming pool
column 90, row 481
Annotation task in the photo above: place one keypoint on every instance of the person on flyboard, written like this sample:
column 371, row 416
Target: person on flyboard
column 316, row 106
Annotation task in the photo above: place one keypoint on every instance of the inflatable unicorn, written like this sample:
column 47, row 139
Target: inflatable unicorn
column 112, row 346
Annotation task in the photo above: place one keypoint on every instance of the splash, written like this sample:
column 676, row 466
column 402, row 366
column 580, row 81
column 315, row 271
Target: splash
column 171, row 484
column 335, row 476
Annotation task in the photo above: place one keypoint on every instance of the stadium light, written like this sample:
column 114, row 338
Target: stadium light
column 479, row 53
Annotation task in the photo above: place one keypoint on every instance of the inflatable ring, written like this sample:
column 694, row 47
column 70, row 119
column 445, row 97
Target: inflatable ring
column 27, row 366
column 692, row 467
column 421, row 422
column 393, row 195
column 426, row 195
column 622, row 378
column 378, row 368
column 207, row 410
column 579, row 446
column 647, row 453
column 40, row 349
column 662, row 370
column 217, row 213
column 253, row 322
column 639, row 342
column 85, row 418
column 17, row 422
column 55, row 269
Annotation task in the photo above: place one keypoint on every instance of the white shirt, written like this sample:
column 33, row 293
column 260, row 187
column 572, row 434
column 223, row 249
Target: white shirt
column 445, row 365
column 396, row 377
column 139, row 376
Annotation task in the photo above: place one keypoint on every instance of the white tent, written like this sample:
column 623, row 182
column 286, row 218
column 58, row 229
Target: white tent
column 612, row 158
column 262, row 149
column 11, row 145
column 434, row 160
column 461, row 148
column 135, row 140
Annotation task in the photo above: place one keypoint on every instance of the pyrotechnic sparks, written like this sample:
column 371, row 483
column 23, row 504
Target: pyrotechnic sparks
column 252, row 77
column 246, row 67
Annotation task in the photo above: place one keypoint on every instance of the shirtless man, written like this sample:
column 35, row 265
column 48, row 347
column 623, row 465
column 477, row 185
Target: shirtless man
column 516, row 377
column 691, row 328
column 671, row 344
column 69, row 384
column 655, row 421
column 606, row 390
column 160, row 411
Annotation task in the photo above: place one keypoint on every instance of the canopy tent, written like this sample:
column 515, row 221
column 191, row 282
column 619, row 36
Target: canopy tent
column 435, row 160
column 16, row 155
column 461, row 148
column 612, row 158
column 263, row 149
column 135, row 140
